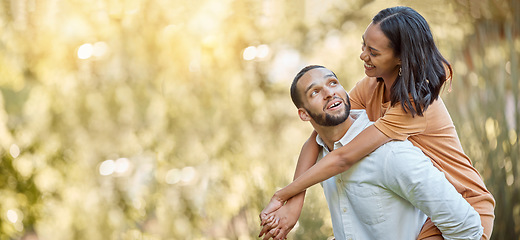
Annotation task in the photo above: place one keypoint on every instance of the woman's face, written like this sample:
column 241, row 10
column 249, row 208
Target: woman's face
column 379, row 58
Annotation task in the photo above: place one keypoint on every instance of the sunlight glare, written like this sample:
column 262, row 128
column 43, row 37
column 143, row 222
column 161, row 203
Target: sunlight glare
column 173, row 176
column 14, row 150
column 85, row 51
column 12, row 216
column 107, row 167
column 262, row 51
column 250, row 53
column 121, row 165
column 188, row 174
column 512, row 136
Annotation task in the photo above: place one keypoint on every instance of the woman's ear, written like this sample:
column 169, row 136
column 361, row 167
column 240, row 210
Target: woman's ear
column 304, row 115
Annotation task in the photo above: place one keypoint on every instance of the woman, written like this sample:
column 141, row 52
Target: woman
column 405, row 73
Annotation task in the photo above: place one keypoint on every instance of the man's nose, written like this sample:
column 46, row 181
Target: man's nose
column 328, row 93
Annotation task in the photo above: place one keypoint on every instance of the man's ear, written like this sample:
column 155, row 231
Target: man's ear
column 304, row 115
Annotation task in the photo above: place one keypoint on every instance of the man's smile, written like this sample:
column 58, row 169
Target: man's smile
column 334, row 104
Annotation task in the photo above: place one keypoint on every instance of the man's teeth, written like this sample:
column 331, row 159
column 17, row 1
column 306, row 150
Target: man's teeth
column 334, row 105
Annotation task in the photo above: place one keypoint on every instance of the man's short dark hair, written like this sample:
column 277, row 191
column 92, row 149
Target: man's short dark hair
column 295, row 96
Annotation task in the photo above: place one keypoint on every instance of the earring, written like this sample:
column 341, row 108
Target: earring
column 399, row 71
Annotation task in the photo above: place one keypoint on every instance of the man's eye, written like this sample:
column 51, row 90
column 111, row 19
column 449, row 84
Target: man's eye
column 313, row 93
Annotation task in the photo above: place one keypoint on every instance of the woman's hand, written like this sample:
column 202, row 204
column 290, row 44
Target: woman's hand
column 281, row 221
column 284, row 220
column 275, row 204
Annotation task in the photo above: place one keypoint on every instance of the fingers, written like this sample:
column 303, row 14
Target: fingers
column 282, row 234
column 269, row 219
column 269, row 226
column 271, row 207
column 264, row 230
column 262, row 217
column 274, row 223
column 273, row 232
column 285, row 228
column 265, row 220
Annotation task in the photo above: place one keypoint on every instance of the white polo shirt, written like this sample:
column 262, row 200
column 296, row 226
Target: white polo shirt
column 389, row 193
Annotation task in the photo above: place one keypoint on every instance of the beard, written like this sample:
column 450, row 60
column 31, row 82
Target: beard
column 328, row 120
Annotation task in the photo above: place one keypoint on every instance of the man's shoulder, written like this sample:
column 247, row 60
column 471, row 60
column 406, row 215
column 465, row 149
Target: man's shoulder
column 397, row 149
column 357, row 113
column 400, row 159
column 392, row 150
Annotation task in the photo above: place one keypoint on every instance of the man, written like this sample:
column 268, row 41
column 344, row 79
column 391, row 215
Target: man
column 387, row 195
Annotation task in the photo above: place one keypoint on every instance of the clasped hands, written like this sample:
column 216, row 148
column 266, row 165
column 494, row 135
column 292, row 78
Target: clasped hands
column 277, row 219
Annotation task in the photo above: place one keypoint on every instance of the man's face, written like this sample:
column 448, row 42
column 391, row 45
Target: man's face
column 323, row 97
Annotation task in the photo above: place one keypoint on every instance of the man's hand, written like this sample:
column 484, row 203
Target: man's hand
column 280, row 223
column 288, row 217
column 273, row 205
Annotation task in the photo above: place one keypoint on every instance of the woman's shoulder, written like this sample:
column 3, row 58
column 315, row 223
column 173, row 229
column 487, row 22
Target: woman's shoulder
column 437, row 112
column 367, row 83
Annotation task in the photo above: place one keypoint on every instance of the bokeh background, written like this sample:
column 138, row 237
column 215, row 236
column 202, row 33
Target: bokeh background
column 171, row 119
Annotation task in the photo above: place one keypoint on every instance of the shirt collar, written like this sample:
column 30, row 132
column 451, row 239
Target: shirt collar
column 361, row 122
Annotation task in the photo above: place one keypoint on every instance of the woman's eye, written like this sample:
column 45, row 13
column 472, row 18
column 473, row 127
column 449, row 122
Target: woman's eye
column 313, row 93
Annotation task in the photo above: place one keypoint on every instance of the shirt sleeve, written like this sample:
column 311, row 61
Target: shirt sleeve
column 411, row 175
column 356, row 96
column 399, row 125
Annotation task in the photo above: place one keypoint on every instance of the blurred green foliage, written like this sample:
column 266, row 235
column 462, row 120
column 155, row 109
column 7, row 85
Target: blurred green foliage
column 133, row 119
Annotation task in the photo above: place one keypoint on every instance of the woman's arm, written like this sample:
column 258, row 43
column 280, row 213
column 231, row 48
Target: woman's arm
column 334, row 163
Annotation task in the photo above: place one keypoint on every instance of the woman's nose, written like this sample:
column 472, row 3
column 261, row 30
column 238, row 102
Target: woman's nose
column 363, row 56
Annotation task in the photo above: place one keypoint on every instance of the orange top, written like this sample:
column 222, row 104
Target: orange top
column 434, row 133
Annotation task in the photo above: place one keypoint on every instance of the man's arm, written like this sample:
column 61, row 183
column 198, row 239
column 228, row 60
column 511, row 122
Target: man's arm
column 287, row 218
column 410, row 174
